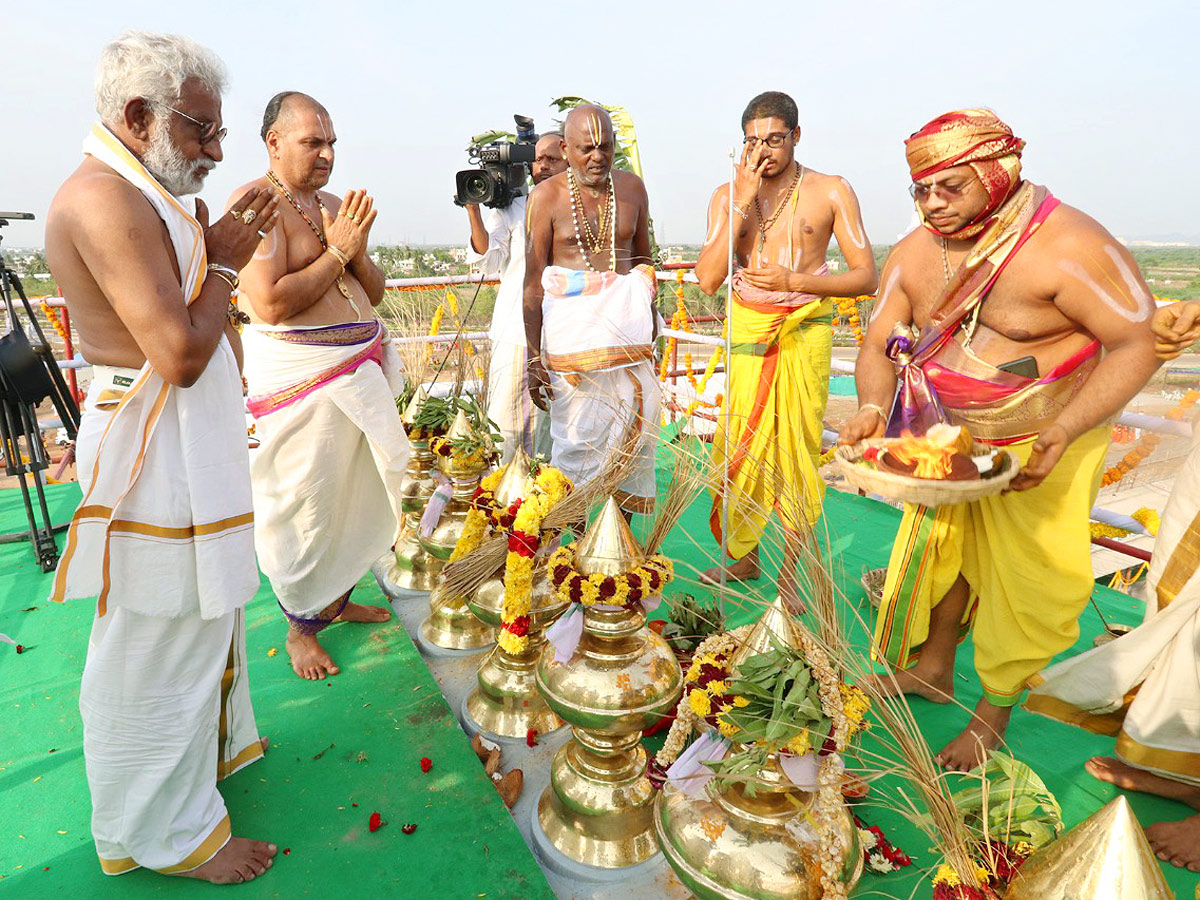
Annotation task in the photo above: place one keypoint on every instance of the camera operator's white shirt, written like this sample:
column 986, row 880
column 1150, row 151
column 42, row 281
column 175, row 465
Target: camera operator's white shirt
column 505, row 254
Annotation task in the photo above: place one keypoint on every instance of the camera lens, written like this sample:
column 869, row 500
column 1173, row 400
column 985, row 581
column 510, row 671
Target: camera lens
column 478, row 188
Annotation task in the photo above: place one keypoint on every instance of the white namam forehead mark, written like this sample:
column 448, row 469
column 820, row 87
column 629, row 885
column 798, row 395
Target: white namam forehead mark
column 595, row 129
column 326, row 126
column 1120, row 305
column 888, row 285
column 854, row 227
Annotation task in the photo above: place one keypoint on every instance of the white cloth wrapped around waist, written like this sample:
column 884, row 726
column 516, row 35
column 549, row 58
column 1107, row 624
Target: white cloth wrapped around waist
column 285, row 363
column 593, row 321
column 165, row 527
column 328, row 472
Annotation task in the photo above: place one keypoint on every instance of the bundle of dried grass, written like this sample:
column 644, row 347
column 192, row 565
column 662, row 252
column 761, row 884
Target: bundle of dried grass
column 690, row 471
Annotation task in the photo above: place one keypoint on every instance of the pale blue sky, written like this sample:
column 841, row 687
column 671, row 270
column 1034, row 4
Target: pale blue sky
column 1105, row 93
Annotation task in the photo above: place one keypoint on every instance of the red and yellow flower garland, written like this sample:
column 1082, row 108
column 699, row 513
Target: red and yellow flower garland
column 522, row 520
column 549, row 488
column 440, row 445
column 627, row 589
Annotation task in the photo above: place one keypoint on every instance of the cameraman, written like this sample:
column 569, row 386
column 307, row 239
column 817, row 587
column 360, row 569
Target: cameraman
column 498, row 241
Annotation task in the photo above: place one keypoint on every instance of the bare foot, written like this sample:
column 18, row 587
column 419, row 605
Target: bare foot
column 789, row 593
column 921, row 680
column 984, row 732
column 745, row 569
column 1123, row 775
column 1177, row 842
column 309, row 658
column 239, row 861
column 358, row 612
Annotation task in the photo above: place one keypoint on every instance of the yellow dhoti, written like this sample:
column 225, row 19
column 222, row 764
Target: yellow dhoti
column 769, row 430
column 1027, row 558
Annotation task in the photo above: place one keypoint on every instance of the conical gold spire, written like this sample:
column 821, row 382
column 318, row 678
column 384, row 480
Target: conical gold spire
column 609, row 547
column 516, row 481
column 460, row 428
column 775, row 621
column 1104, row 857
column 420, row 395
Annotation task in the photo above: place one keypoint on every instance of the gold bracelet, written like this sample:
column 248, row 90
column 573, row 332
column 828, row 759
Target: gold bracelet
column 339, row 255
column 221, row 273
column 875, row 406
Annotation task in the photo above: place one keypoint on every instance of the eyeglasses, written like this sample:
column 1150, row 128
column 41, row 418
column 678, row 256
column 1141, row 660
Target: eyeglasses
column 920, row 191
column 774, row 140
column 209, row 131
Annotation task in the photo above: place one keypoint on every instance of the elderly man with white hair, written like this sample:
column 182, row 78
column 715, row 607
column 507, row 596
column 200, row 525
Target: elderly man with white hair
column 163, row 536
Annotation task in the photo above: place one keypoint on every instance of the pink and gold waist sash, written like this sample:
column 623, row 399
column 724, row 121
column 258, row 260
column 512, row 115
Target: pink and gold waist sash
column 999, row 407
column 369, row 334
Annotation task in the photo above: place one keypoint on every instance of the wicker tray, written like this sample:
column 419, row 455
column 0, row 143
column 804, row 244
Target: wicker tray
column 924, row 491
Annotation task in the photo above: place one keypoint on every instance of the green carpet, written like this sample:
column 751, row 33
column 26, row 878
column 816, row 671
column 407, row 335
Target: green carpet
column 385, row 709
column 340, row 750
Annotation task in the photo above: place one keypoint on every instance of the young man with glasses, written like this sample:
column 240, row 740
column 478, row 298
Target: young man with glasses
column 1026, row 322
column 777, row 384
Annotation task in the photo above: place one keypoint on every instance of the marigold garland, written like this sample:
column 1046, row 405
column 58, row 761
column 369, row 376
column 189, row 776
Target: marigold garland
column 627, row 589
column 440, row 445
column 54, row 320
column 1148, row 443
column 522, row 521
column 1146, row 516
column 850, row 306
column 549, row 488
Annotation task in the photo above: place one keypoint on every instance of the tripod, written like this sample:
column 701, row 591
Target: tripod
column 29, row 374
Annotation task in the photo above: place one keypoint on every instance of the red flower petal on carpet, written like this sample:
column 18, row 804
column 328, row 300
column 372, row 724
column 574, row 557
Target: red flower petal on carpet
column 375, row 822
column 426, row 763
column 408, row 827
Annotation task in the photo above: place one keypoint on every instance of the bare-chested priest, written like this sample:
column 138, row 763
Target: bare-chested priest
column 322, row 381
column 590, row 316
column 781, row 330
column 1025, row 321
column 163, row 536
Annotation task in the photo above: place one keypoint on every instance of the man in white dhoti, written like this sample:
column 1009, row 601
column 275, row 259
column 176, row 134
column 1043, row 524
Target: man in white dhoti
column 163, row 535
column 590, row 317
column 498, row 245
column 1144, row 688
column 322, row 377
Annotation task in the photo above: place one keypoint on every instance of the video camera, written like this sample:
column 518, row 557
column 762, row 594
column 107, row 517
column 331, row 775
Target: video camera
column 504, row 169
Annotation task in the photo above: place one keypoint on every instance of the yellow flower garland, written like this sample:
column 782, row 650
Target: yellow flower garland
column 477, row 519
column 549, row 489
column 645, row 580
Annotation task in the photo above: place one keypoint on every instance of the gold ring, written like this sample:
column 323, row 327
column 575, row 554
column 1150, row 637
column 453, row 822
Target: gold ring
column 249, row 216
column 352, row 217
